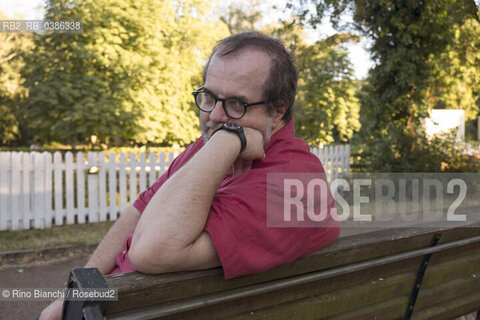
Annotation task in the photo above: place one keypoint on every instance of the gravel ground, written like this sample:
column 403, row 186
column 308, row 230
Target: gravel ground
column 50, row 274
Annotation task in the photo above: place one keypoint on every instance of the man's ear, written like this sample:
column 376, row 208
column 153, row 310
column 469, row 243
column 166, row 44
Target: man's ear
column 278, row 113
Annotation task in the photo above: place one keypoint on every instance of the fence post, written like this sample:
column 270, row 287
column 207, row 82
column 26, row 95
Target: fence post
column 39, row 192
column 133, row 177
column 162, row 162
column 92, row 181
column 347, row 160
column 48, row 185
column 15, row 191
column 338, row 159
column 26, row 192
column 80, row 188
column 331, row 158
column 123, row 181
column 326, row 161
column 58, row 187
column 171, row 156
column 112, row 186
column 69, row 188
column 5, row 167
column 143, row 174
column 319, row 153
column 102, row 185
column 152, row 175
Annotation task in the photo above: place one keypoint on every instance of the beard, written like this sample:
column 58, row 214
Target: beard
column 209, row 127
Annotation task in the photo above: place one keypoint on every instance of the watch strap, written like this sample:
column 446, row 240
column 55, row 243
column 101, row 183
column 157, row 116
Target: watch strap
column 235, row 129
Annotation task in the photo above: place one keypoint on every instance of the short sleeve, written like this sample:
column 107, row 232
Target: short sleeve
column 141, row 203
column 237, row 225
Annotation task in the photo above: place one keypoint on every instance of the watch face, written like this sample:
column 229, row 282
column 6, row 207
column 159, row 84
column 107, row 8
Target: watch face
column 233, row 126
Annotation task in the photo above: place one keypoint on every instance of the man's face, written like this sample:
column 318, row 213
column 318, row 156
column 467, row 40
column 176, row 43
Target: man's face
column 241, row 75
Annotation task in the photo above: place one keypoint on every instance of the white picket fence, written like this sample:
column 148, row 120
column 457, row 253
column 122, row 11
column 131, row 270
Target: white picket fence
column 38, row 190
column 335, row 160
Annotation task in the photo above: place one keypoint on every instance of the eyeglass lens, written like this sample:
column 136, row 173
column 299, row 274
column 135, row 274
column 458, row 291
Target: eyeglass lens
column 206, row 101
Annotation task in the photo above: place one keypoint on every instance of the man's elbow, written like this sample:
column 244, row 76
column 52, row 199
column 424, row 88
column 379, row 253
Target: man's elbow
column 153, row 258
column 142, row 262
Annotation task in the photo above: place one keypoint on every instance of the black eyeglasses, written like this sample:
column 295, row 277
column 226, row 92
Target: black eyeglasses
column 234, row 108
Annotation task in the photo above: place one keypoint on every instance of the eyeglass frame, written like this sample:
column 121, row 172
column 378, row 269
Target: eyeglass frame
column 245, row 105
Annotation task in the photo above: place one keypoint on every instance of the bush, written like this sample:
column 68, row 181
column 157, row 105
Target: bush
column 438, row 154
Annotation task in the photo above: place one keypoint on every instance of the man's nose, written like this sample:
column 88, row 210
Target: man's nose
column 218, row 114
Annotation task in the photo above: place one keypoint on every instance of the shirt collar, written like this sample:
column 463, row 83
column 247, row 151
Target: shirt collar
column 286, row 132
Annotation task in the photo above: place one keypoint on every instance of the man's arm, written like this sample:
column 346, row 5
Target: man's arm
column 170, row 234
column 104, row 255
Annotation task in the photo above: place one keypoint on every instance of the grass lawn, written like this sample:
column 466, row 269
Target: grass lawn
column 53, row 237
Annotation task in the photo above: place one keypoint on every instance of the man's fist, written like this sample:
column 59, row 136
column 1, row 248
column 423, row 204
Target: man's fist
column 255, row 142
column 53, row 311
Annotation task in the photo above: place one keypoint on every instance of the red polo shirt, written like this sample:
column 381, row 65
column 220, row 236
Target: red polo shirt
column 237, row 222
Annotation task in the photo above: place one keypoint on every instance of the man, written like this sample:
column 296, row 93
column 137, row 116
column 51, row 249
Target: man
column 210, row 208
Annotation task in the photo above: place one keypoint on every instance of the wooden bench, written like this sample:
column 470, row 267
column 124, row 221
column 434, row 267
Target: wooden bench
column 403, row 273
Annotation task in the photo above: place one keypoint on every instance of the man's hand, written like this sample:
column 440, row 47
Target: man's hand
column 103, row 257
column 255, row 142
column 53, row 311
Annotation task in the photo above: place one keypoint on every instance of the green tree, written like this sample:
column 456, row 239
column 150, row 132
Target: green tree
column 407, row 39
column 458, row 72
column 14, row 46
column 241, row 16
column 127, row 74
column 327, row 109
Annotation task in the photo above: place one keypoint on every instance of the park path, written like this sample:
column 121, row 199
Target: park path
column 50, row 274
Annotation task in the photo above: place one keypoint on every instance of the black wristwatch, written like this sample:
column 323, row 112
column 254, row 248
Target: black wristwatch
column 233, row 127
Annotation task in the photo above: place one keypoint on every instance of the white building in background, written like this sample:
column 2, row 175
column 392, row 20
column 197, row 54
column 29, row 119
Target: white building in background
column 443, row 121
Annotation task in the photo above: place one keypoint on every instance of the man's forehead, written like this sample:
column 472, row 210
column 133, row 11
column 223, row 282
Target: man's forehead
column 237, row 74
column 249, row 62
column 244, row 53
column 227, row 51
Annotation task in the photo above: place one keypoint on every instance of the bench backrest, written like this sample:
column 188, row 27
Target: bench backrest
column 423, row 273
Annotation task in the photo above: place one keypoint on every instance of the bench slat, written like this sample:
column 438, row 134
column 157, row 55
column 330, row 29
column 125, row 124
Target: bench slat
column 311, row 308
column 452, row 309
column 452, row 268
column 453, row 290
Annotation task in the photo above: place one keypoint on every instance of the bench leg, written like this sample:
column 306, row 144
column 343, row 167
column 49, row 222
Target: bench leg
column 419, row 278
column 83, row 278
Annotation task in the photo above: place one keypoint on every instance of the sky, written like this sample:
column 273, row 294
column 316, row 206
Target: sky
column 360, row 58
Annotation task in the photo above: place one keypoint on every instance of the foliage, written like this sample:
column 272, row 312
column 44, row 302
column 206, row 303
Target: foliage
column 327, row 109
column 126, row 75
column 408, row 37
column 11, row 89
column 440, row 153
column 458, row 72
column 444, row 153
column 240, row 17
